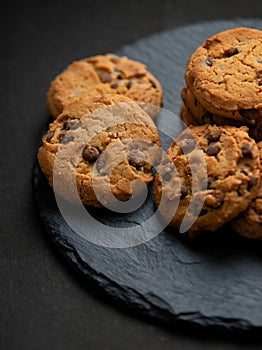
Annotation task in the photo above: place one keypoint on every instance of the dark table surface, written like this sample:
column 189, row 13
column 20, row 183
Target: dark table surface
column 43, row 304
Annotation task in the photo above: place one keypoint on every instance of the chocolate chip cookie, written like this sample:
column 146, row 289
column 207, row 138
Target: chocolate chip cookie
column 107, row 141
column 193, row 112
column 225, row 74
column 249, row 223
column 104, row 74
column 203, row 115
column 211, row 173
column 187, row 117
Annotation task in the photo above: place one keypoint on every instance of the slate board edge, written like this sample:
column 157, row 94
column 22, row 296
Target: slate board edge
column 130, row 298
column 240, row 21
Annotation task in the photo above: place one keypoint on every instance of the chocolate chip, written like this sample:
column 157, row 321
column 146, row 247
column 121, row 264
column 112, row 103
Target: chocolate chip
column 250, row 114
column 247, row 150
column 213, row 149
column 136, row 162
column 152, row 83
column 67, row 124
column 210, row 181
column 209, row 61
column 215, row 136
column 128, row 85
column 71, row 124
column 184, row 191
column 105, row 77
column 195, row 102
column 114, row 59
column 259, row 77
column 49, row 136
column 90, row 154
column 115, row 85
column 66, row 139
column 187, row 145
column 241, row 192
column 203, row 212
column 252, row 182
column 245, row 171
column 231, row 52
column 166, row 176
column 76, row 125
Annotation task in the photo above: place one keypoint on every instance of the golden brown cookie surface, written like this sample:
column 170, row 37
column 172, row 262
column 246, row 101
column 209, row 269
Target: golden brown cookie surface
column 104, row 74
column 225, row 73
column 203, row 116
column 192, row 112
column 117, row 141
column 249, row 223
column 200, row 112
column 225, row 166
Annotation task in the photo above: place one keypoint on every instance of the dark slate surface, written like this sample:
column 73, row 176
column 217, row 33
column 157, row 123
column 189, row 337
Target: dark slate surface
column 213, row 282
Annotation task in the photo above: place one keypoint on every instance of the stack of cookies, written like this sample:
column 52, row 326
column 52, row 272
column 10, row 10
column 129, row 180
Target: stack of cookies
column 218, row 154
column 103, row 135
column 224, row 81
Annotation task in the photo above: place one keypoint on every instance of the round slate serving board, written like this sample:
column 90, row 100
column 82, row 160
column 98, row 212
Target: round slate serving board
column 214, row 282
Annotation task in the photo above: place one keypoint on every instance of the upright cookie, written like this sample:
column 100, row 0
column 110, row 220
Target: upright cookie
column 106, row 141
column 249, row 223
column 225, row 74
column 104, row 74
column 212, row 173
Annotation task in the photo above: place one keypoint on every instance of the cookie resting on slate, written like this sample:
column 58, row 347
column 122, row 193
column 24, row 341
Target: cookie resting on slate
column 106, row 74
column 225, row 165
column 117, row 143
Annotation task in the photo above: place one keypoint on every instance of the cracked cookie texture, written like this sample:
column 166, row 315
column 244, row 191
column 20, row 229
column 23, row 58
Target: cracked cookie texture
column 249, row 223
column 210, row 174
column 107, row 141
column 225, row 74
column 105, row 74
